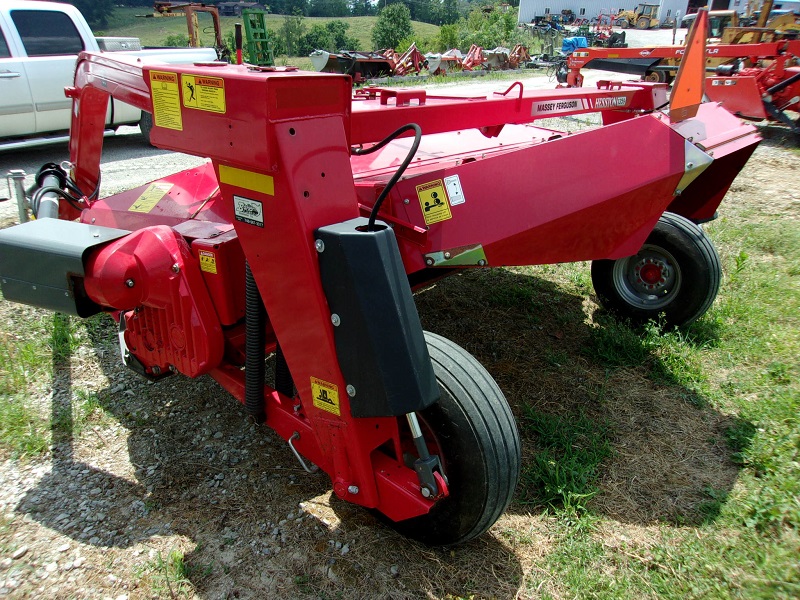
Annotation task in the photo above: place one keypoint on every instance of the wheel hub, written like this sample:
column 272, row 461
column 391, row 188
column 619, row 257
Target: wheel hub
column 651, row 274
column 650, row 279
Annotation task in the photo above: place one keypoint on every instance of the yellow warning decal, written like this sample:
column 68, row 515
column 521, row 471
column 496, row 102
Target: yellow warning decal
column 166, row 100
column 255, row 182
column 208, row 262
column 150, row 197
column 326, row 396
column 433, row 200
column 203, row 93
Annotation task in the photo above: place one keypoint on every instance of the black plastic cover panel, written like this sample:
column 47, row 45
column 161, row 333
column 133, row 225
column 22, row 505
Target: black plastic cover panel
column 379, row 340
column 41, row 263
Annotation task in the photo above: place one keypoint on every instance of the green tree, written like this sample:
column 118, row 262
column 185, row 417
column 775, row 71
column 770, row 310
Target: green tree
column 328, row 8
column 449, row 12
column 362, row 8
column 394, row 24
column 342, row 41
column 291, row 31
column 96, row 12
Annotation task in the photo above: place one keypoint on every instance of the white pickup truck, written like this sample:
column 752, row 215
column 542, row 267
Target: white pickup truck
column 39, row 44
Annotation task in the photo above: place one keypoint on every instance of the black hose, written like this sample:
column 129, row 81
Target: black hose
column 255, row 321
column 66, row 189
column 361, row 151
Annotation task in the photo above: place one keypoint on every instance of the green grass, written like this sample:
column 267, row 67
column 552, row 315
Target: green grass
column 168, row 576
column 41, row 347
column 740, row 359
column 564, row 468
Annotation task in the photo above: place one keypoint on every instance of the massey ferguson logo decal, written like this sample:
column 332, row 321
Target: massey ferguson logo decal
column 556, row 107
column 613, row 102
column 644, row 53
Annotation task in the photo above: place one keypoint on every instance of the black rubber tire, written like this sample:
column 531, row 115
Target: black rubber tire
column 655, row 76
column 478, row 443
column 146, row 126
column 623, row 23
column 689, row 272
column 643, row 23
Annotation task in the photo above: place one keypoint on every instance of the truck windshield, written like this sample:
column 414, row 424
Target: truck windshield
column 47, row 33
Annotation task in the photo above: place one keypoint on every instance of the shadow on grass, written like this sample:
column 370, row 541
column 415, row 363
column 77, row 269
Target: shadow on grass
column 612, row 420
column 611, row 436
column 231, row 489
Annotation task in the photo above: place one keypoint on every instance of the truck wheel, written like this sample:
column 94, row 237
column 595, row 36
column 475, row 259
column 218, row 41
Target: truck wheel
column 643, row 23
column 146, row 126
column 677, row 272
column 473, row 431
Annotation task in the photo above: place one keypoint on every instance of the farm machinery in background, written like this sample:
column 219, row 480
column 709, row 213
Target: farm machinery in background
column 256, row 35
column 363, row 66
column 644, row 16
column 756, row 75
column 295, row 248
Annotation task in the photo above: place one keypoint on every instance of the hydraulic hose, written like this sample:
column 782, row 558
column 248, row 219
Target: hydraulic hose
column 361, row 151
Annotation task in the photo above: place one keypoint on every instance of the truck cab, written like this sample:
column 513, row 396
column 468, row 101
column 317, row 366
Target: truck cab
column 39, row 45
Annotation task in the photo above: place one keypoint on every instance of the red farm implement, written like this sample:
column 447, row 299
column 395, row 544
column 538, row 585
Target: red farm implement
column 317, row 214
column 754, row 81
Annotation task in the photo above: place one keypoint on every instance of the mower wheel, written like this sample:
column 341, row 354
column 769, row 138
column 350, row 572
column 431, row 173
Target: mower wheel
column 677, row 273
column 473, row 431
column 146, row 126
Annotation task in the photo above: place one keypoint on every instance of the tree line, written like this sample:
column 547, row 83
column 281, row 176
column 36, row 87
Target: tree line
column 436, row 12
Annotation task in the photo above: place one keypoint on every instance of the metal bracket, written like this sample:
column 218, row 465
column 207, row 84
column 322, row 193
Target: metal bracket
column 313, row 468
column 16, row 180
column 433, row 481
column 472, row 255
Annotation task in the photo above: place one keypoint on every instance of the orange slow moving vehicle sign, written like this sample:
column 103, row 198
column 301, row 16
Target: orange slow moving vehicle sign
column 689, row 86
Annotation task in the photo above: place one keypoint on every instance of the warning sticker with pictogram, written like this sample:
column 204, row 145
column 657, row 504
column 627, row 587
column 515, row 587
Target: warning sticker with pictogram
column 326, row 396
column 203, row 93
column 166, row 100
column 150, row 197
column 433, row 201
column 208, row 261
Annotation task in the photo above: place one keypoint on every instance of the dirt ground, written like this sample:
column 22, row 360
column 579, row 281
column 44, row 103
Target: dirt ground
column 175, row 467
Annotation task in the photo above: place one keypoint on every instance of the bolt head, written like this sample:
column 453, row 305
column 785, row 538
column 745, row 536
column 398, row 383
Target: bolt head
column 447, row 255
column 429, row 262
column 176, row 268
column 319, row 245
column 336, row 320
column 351, row 391
column 426, row 491
column 353, row 489
column 130, row 283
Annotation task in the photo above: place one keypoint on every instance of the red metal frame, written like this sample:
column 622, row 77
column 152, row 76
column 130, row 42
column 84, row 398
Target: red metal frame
column 281, row 141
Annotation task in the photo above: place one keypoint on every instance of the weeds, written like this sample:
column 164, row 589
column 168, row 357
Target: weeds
column 564, row 470
column 168, row 575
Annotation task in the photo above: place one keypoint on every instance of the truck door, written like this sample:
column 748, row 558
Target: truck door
column 51, row 42
column 16, row 104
